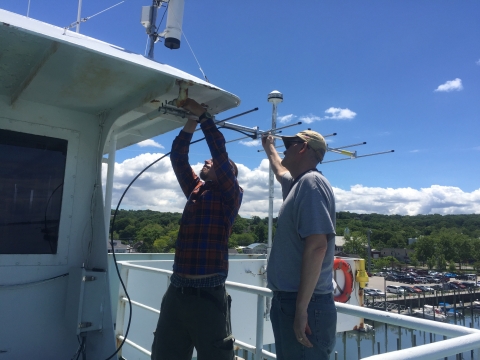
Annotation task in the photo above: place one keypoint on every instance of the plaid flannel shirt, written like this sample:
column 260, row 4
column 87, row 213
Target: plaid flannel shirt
column 206, row 224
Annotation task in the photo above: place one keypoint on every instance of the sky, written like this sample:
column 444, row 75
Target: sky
column 399, row 75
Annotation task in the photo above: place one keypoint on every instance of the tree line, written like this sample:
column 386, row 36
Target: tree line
column 153, row 231
column 440, row 238
column 441, row 242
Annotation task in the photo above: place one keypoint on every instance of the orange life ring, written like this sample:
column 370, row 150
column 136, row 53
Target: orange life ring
column 340, row 264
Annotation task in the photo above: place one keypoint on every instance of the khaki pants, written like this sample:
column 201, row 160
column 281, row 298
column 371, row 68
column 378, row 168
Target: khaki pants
column 194, row 317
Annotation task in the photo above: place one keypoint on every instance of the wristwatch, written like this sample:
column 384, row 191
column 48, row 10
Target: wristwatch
column 205, row 115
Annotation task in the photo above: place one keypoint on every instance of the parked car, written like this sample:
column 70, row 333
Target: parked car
column 395, row 289
column 421, row 280
column 420, row 288
column 408, row 289
column 450, row 275
column 408, row 280
column 459, row 284
column 450, row 286
column 437, row 287
column 379, row 292
column 426, row 288
column 370, row 292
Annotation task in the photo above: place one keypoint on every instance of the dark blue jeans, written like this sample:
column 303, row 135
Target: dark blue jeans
column 322, row 319
column 191, row 317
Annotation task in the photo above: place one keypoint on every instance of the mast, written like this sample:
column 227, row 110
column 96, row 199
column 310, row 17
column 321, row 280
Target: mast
column 275, row 97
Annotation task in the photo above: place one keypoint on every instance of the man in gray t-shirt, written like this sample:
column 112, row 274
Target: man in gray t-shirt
column 300, row 265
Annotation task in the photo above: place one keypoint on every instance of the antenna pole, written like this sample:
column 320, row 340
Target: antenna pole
column 79, row 15
column 152, row 32
column 274, row 97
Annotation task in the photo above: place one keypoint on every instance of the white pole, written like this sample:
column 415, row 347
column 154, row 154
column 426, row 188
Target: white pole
column 274, row 97
column 79, row 15
column 109, row 181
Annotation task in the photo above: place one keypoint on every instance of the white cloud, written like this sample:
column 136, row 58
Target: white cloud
column 286, row 118
column 340, row 114
column 250, row 142
column 150, row 142
column 308, row 119
column 436, row 199
column 157, row 189
column 451, row 85
column 477, row 62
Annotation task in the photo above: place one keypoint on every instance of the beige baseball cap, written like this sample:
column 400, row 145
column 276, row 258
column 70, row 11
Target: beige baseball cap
column 314, row 140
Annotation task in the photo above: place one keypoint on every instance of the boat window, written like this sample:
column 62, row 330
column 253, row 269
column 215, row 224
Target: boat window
column 31, row 188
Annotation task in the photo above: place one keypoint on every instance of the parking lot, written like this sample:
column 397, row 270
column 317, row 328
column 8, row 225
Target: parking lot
column 378, row 282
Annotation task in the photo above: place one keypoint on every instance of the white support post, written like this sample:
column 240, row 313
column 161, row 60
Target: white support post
column 274, row 98
column 120, row 321
column 109, row 182
column 259, row 335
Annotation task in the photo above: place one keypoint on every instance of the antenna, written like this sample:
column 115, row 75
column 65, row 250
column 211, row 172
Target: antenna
column 173, row 31
column 275, row 97
column 80, row 20
column 148, row 20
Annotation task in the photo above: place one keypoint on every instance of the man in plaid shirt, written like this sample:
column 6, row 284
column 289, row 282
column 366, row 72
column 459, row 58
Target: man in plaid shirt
column 195, row 310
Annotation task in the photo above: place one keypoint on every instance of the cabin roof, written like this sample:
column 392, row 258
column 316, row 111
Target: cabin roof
column 45, row 64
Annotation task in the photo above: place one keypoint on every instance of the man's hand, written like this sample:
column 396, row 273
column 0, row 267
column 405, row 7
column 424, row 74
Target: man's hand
column 301, row 328
column 194, row 107
column 267, row 143
column 273, row 157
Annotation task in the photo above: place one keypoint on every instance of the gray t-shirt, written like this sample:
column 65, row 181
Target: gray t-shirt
column 307, row 209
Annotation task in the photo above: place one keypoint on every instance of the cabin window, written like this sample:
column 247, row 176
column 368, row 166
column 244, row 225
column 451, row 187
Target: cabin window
column 31, row 186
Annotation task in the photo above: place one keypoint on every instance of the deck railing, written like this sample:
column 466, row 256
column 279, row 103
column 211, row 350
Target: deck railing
column 462, row 338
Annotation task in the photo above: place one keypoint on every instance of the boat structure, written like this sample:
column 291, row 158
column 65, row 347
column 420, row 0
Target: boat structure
column 68, row 102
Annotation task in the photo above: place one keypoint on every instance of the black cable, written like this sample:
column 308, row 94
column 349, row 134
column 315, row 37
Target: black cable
column 111, row 239
column 160, row 23
column 33, row 282
column 161, row 20
column 113, row 250
column 45, row 230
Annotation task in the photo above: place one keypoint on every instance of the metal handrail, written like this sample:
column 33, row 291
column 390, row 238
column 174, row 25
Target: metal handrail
column 464, row 338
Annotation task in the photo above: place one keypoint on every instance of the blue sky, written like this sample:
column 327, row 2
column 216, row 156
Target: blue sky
column 402, row 75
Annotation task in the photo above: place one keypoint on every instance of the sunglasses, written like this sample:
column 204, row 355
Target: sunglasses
column 290, row 143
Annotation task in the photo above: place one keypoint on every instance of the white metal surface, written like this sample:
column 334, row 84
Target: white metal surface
column 109, row 182
column 174, row 19
column 465, row 338
column 75, row 72
column 147, row 280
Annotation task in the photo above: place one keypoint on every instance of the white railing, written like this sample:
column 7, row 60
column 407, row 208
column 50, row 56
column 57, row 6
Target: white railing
column 463, row 338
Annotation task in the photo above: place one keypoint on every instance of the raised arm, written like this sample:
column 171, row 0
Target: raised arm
column 216, row 143
column 273, row 157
